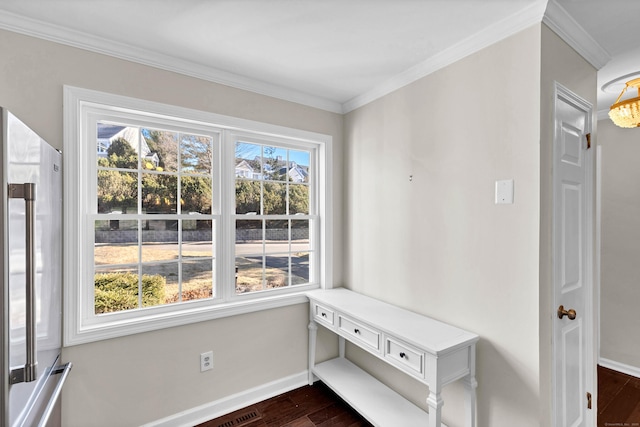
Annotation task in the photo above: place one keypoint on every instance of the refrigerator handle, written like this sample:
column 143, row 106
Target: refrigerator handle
column 27, row 191
column 63, row 370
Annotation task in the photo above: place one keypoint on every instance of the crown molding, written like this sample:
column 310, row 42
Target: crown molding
column 484, row 38
column 561, row 23
column 55, row 33
column 602, row 114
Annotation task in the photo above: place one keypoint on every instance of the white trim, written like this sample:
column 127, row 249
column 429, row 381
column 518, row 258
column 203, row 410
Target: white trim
column 58, row 34
column 484, row 38
column 78, row 96
column 596, row 281
column 232, row 403
column 563, row 24
column 634, row 371
column 80, row 327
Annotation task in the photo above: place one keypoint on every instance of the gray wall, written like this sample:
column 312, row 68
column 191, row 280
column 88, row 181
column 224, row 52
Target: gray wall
column 437, row 244
column 620, row 256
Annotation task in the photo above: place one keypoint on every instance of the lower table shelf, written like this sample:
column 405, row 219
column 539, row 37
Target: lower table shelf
column 380, row 405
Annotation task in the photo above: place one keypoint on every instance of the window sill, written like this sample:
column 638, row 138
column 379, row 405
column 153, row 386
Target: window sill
column 154, row 321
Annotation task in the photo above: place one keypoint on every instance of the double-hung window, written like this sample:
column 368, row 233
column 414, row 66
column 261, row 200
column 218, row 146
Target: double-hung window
column 274, row 216
column 175, row 215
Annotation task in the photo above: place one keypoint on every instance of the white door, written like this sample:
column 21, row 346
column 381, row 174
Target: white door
column 572, row 253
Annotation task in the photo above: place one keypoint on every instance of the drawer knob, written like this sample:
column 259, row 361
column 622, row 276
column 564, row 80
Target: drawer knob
column 324, row 314
column 402, row 355
column 357, row 331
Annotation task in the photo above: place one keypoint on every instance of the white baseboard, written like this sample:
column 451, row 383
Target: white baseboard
column 634, row 371
column 228, row 404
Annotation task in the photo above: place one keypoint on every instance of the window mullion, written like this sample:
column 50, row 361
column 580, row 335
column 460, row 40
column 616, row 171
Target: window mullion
column 140, row 243
column 228, row 218
column 140, row 221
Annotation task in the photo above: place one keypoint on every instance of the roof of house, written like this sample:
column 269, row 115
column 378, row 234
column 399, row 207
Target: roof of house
column 108, row 131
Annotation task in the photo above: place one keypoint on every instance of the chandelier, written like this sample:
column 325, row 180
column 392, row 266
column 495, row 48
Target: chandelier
column 626, row 114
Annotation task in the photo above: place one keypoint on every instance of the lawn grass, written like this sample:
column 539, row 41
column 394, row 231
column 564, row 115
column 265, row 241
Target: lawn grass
column 197, row 277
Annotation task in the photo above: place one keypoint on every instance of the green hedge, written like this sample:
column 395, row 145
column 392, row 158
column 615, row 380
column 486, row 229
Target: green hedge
column 119, row 291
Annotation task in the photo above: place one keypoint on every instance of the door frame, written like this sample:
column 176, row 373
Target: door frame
column 562, row 94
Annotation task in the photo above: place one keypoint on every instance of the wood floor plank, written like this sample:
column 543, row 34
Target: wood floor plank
column 300, row 422
column 308, row 406
column 618, row 399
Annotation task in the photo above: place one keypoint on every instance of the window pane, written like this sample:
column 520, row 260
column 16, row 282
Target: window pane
column 117, row 192
column 196, row 154
column 248, row 160
column 159, row 240
column 298, row 199
column 300, row 247
column 247, row 197
column 197, row 279
column 299, row 166
column 274, row 199
column 195, row 194
column 198, row 268
column 277, row 236
column 160, row 283
column 117, row 146
column 115, row 289
column 274, row 163
column 300, row 236
column 197, row 238
column 277, row 271
column 249, row 249
column 159, row 150
column 300, row 268
column 249, row 274
column 159, row 193
column 249, row 235
column 116, row 242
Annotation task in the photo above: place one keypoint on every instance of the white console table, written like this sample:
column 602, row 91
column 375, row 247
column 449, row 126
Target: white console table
column 433, row 352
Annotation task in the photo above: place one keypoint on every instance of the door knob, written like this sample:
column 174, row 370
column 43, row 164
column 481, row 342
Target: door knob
column 571, row 313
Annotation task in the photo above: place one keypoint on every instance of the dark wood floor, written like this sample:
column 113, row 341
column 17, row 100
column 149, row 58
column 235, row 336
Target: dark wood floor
column 618, row 399
column 308, row 406
column 317, row 405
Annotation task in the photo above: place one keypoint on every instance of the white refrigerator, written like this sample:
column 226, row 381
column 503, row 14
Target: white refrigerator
column 31, row 265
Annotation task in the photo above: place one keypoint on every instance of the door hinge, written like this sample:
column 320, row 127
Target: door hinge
column 588, row 140
column 588, row 400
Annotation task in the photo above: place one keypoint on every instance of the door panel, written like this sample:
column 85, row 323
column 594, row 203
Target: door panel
column 571, row 250
column 572, row 380
column 572, row 178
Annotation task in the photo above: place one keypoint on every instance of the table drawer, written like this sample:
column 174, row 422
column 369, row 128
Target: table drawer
column 404, row 356
column 359, row 333
column 323, row 314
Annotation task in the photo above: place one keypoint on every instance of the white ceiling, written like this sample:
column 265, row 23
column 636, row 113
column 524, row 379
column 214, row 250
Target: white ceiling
column 332, row 54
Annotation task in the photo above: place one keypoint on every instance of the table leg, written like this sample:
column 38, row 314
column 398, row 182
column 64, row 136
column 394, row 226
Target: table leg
column 435, row 403
column 470, row 385
column 313, row 333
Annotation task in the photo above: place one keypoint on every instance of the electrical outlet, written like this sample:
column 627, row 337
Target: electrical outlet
column 206, row 361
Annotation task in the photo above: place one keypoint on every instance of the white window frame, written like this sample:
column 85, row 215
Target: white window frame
column 81, row 325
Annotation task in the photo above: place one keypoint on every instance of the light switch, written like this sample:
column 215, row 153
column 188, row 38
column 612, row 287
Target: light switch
column 504, row 192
